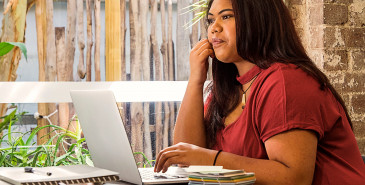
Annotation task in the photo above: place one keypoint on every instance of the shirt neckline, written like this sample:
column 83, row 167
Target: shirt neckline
column 249, row 75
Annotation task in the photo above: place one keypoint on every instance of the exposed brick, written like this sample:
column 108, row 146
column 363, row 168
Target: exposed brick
column 337, row 80
column 354, row 37
column 346, row 99
column 298, row 14
column 297, row 2
column 341, row 37
column 317, row 37
column 335, row 14
column 358, row 102
column 317, row 57
column 339, row 1
column 335, row 60
column 357, row 14
column 359, row 59
column 354, row 82
column 311, row 2
column 294, row 12
column 333, row 37
column 361, row 144
column 316, row 15
column 359, row 128
column 300, row 32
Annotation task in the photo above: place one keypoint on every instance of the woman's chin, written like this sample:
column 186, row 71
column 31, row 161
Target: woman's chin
column 223, row 59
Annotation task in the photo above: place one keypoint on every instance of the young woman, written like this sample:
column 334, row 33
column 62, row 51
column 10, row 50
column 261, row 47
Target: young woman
column 270, row 110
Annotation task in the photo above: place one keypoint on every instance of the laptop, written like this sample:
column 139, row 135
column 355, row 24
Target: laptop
column 108, row 142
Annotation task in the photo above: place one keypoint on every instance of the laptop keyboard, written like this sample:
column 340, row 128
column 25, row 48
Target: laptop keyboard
column 149, row 174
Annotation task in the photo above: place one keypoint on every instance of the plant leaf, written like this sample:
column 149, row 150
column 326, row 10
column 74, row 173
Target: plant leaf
column 62, row 157
column 22, row 48
column 7, row 119
column 32, row 153
column 203, row 4
column 35, row 158
column 37, row 129
column 3, row 157
column 5, row 48
column 89, row 161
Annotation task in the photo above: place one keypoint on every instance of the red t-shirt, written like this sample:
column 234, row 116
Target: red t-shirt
column 284, row 97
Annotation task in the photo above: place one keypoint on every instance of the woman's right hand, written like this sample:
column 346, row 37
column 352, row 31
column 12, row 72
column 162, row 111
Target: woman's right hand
column 199, row 61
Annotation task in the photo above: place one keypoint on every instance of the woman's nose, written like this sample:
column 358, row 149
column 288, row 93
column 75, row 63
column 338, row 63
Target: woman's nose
column 216, row 27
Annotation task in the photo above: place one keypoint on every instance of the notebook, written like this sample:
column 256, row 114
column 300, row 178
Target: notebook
column 74, row 174
column 108, row 142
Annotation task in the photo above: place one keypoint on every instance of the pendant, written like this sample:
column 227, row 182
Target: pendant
column 243, row 100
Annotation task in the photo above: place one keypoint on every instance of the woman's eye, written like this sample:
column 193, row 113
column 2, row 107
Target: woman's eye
column 226, row 17
column 210, row 21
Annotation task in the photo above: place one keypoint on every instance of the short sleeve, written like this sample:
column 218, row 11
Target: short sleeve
column 288, row 99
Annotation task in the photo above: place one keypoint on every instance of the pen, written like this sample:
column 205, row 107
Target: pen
column 35, row 171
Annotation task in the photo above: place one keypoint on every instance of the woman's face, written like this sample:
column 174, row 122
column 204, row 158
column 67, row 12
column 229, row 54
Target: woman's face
column 222, row 31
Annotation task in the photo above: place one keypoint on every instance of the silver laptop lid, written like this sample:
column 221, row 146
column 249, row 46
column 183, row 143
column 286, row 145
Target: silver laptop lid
column 105, row 134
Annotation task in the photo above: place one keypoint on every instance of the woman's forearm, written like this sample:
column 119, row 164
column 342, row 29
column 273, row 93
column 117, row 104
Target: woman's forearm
column 266, row 171
column 189, row 126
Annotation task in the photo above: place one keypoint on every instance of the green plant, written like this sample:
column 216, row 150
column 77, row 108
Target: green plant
column 200, row 5
column 145, row 161
column 23, row 152
column 6, row 47
column 10, row 119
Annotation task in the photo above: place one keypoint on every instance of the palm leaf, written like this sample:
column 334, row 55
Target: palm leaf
column 202, row 4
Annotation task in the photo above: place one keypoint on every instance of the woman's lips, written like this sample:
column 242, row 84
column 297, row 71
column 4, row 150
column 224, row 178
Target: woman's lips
column 216, row 42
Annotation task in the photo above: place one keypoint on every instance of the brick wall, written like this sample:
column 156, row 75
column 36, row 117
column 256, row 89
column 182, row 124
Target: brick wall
column 333, row 33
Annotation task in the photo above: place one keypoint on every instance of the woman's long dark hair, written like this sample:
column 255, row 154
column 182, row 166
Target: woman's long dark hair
column 265, row 34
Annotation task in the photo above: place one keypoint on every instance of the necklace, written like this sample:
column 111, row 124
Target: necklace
column 245, row 91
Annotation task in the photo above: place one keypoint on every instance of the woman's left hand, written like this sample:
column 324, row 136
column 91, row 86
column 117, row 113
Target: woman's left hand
column 183, row 154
